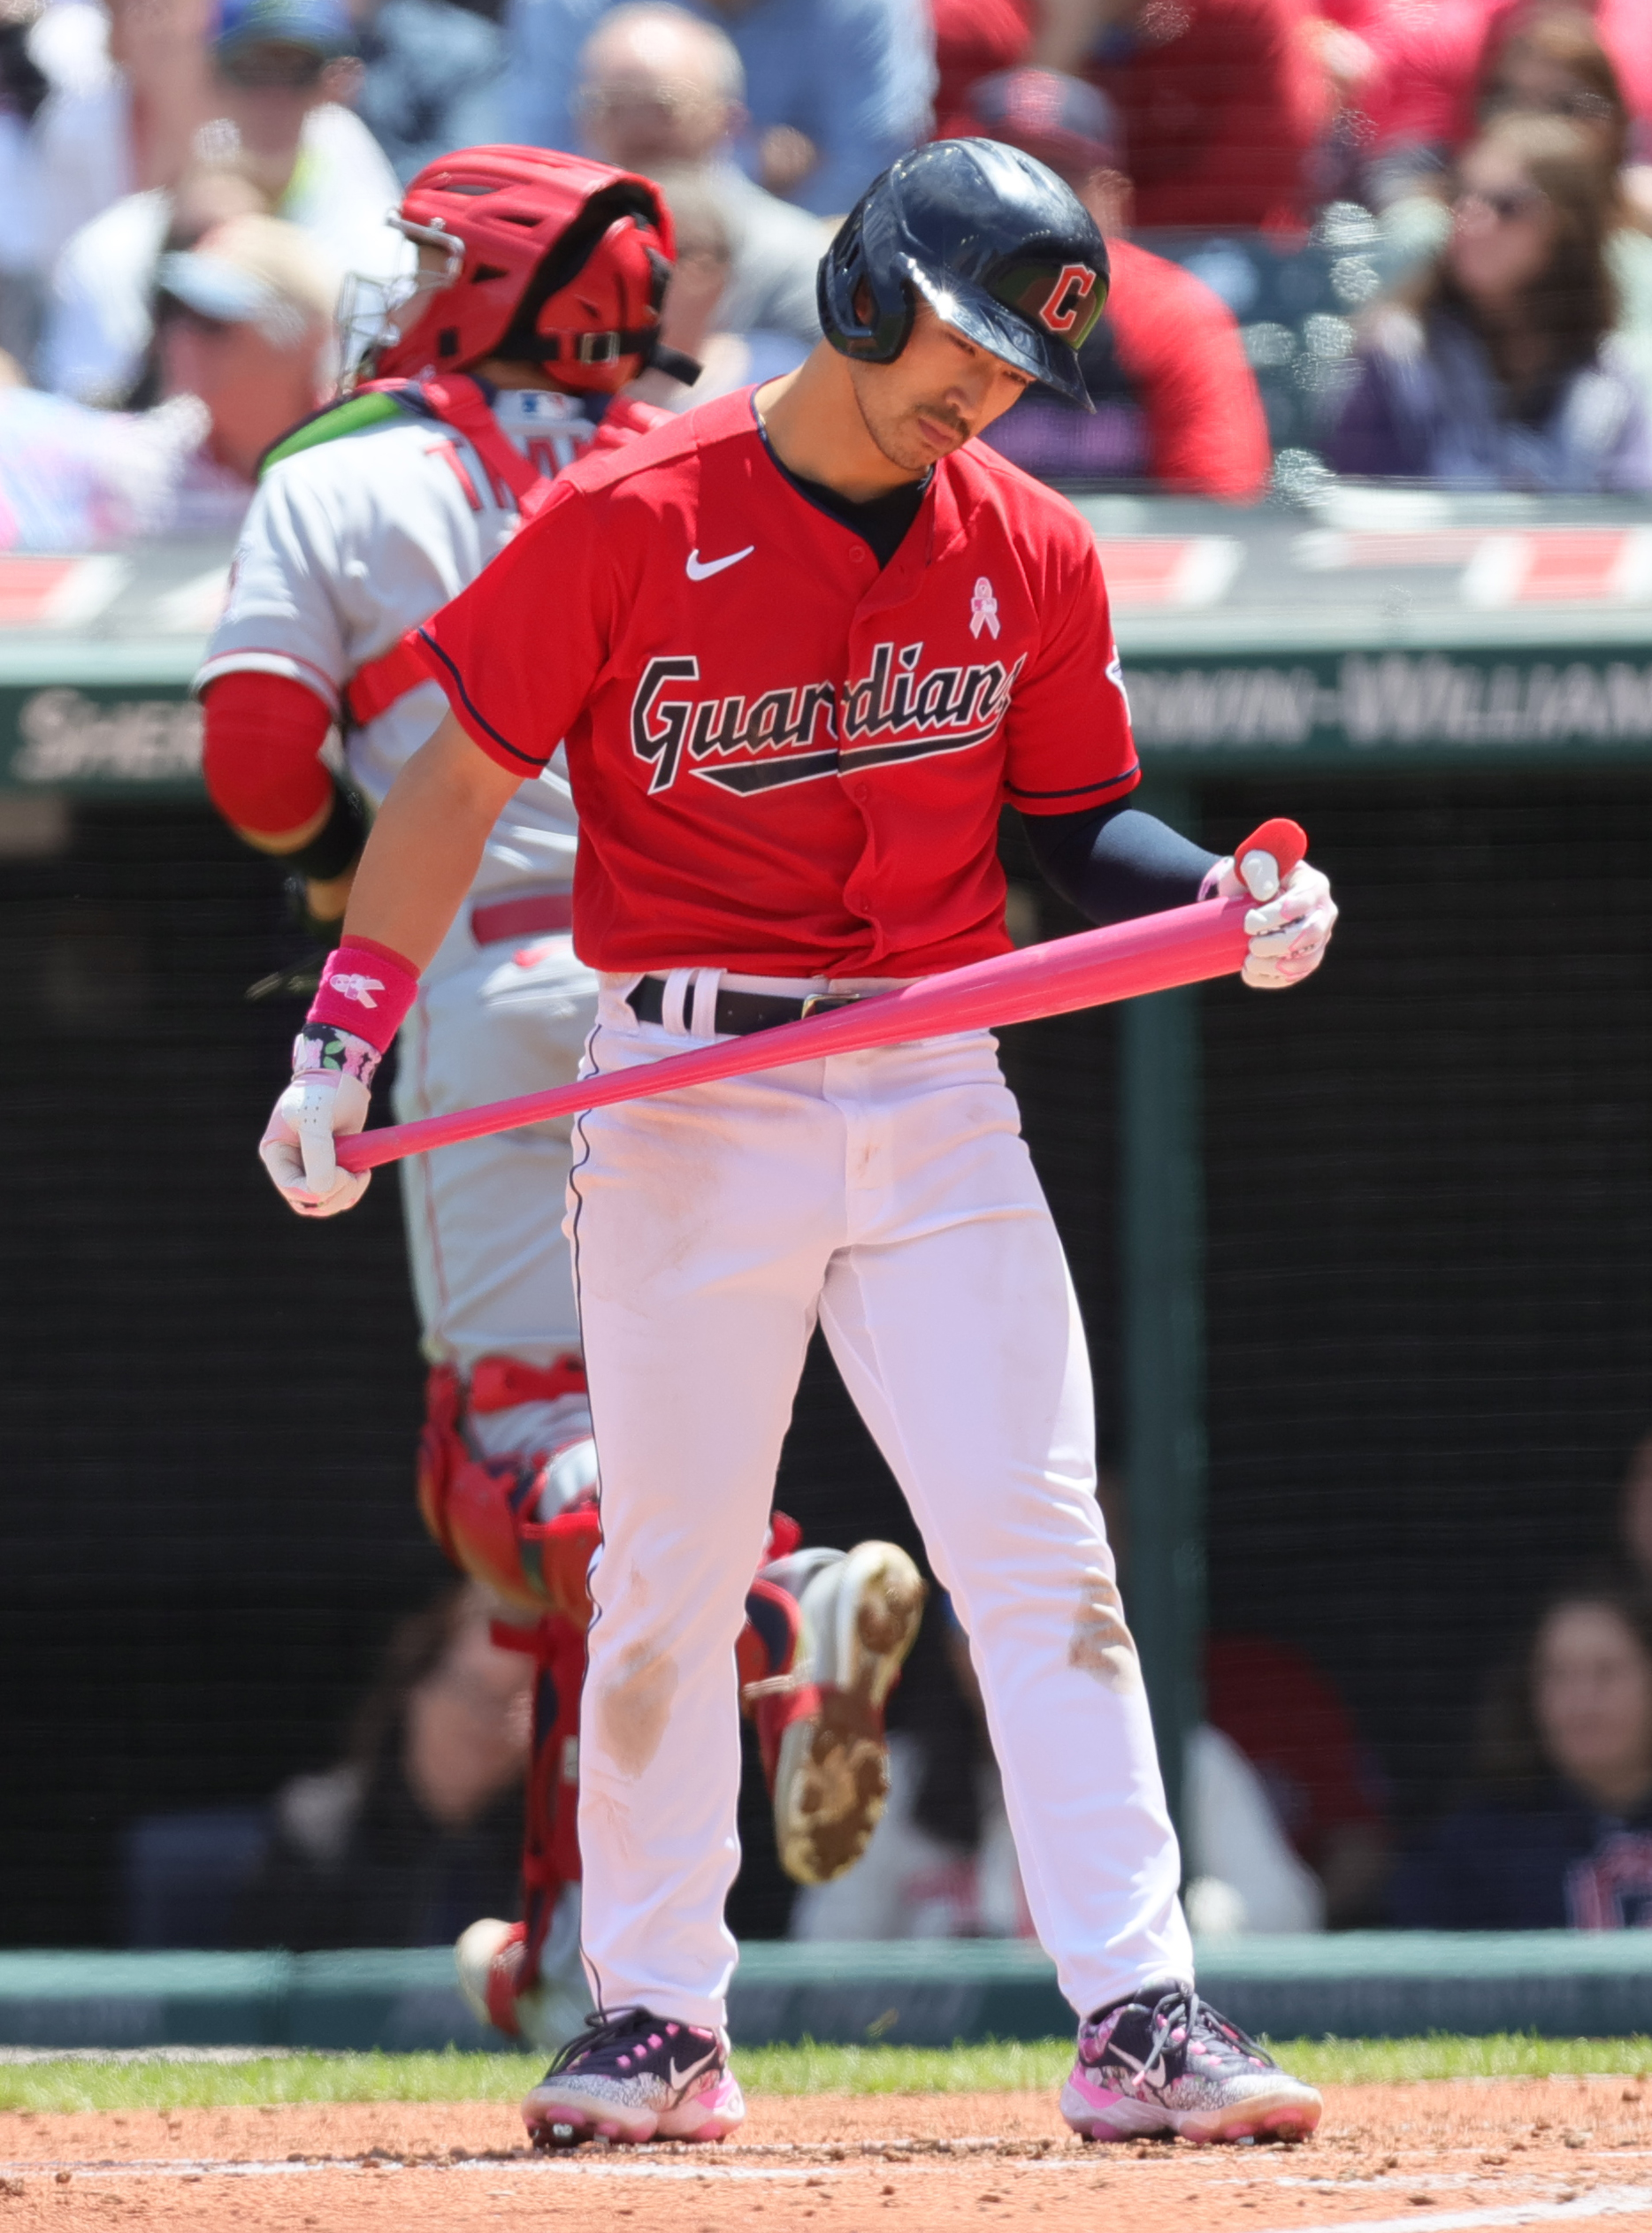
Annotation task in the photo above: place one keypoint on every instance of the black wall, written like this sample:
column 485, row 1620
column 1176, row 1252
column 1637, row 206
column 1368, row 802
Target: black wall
column 208, row 1406
column 1430, row 1251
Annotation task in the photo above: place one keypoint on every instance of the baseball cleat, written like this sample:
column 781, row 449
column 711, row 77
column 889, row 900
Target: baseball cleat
column 860, row 1616
column 1163, row 2061
column 631, row 2077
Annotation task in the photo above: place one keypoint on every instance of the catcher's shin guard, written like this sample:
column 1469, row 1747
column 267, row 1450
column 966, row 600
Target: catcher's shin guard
column 550, row 1849
column 526, row 1527
column 765, row 1652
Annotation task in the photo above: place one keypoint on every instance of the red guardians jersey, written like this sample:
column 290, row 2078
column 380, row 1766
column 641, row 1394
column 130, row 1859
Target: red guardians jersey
column 786, row 762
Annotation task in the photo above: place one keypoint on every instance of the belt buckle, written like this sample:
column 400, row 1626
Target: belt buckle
column 820, row 1004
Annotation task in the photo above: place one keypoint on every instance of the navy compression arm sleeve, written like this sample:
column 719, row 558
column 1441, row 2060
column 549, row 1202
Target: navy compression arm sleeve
column 1114, row 862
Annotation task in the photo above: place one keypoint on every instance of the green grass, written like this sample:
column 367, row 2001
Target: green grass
column 106, row 2086
column 1516, row 2055
column 112, row 2086
column 1009, row 2066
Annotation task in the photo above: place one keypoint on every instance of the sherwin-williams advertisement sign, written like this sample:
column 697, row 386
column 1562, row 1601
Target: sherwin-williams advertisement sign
column 1353, row 708
column 1433, row 705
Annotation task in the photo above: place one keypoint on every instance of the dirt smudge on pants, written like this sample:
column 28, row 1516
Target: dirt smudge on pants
column 633, row 1708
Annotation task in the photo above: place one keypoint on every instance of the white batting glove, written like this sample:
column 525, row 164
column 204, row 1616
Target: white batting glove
column 330, row 1092
column 1292, row 927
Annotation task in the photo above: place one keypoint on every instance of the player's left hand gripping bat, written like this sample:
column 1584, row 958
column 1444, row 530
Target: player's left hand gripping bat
column 1183, row 945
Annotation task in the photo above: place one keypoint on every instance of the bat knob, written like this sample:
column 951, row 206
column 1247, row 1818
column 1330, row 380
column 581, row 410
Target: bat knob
column 1265, row 860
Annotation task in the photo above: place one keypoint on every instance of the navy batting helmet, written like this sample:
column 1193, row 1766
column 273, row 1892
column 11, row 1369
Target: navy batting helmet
column 995, row 244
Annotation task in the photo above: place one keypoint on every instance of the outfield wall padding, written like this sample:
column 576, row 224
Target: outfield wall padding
column 1365, row 1984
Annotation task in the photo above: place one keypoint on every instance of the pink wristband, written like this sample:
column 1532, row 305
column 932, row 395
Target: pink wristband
column 366, row 989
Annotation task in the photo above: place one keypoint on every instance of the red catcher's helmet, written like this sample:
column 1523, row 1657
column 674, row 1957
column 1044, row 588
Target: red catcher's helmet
column 552, row 261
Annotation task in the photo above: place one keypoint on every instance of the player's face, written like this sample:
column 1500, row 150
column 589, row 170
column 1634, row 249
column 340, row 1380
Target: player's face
column 253, row 389
column 436, row 268
column 939, row 392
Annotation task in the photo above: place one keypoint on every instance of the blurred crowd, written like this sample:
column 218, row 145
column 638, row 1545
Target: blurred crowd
column 1406, row 239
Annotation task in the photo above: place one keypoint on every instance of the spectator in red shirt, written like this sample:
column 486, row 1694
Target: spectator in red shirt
column 975, row 39
column 1558, row 62
column 1555, row 63
column 1288, row 1721
column 1440, row 72
column 1294, row 1730
column 1176, row 404
column 1224, row 104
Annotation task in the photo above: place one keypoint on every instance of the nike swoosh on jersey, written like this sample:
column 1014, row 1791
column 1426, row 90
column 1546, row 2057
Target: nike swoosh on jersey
column 698, row 571
column 679, row 2081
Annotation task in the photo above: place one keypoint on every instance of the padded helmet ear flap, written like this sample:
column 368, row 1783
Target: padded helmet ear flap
column 595, row 300
column 862, row 255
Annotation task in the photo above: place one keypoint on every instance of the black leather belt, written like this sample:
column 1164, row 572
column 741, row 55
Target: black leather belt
column 737, row 1013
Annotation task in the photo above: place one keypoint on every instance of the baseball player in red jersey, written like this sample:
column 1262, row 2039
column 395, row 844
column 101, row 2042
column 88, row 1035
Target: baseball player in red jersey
column 537, row 300
column 803, row 647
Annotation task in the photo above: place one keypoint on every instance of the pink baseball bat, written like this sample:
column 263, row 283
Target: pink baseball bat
column 1183, row 945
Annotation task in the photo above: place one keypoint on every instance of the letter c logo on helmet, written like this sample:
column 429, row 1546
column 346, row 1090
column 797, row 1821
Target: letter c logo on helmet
column 1073, row 287
column 994, row 242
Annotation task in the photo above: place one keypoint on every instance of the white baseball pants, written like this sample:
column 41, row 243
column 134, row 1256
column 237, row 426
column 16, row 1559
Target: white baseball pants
column 888, row 1194
column 484, row 1217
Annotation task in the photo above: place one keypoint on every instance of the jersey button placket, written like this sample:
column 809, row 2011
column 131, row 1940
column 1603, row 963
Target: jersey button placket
column 860, row 893
column 859, row 790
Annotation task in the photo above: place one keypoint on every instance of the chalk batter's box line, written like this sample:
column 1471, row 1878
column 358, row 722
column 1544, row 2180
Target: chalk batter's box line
column 1602, row 2202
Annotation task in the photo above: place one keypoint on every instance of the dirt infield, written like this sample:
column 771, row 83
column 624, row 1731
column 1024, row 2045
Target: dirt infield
column 1464, row 2154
